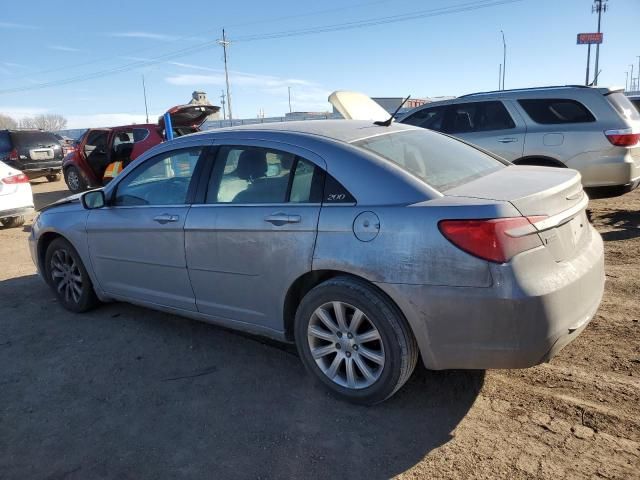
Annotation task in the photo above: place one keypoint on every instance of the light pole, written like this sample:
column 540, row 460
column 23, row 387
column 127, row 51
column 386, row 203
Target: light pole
column 499, row 76
column 626, row 81
column 504, row 58
column 631, row 85
column 599, row 7
column 289, row 99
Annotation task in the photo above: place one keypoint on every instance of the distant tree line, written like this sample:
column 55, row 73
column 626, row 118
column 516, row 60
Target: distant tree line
column 47, row 121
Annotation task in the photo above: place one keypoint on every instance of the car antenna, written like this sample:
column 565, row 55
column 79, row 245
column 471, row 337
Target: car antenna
column 387, row 122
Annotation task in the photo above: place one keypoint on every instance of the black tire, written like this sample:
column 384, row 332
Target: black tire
column 12, row 222
column 60, row 249
column 53, row 177
column 74, row 180
column 399, row 344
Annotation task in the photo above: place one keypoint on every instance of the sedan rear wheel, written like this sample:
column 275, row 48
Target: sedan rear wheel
column 68, row 277
column 353, row 339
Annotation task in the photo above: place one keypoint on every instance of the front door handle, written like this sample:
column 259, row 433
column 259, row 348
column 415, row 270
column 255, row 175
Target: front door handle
column 279, row 218
column 166, row 218
column 507, row 140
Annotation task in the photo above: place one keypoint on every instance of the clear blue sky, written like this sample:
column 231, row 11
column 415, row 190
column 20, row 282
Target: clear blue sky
column 440, row 55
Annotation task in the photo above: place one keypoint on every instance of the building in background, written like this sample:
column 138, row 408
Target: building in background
column 200, row 98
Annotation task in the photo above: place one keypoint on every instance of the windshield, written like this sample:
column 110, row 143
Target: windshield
column 440, row 161
column 33, row 139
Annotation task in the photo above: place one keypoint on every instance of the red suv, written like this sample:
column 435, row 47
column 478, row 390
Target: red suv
column 97, row 148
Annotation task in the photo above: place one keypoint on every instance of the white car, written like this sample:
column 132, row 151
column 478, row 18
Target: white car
column 16, row 198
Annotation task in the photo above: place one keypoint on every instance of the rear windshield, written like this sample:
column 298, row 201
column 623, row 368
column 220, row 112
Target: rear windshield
column 623, row 105
column 33, row 139
column 440, row 161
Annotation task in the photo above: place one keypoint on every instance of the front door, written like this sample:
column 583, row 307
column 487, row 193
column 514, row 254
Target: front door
column 489, row 125
column 136, row 243
column 255, row 233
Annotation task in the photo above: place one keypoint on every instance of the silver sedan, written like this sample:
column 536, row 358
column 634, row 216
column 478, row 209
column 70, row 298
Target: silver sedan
column 369, row 246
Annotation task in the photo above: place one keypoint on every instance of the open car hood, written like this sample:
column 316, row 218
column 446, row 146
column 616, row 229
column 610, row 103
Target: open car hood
column 357, row 106
column 188, row 115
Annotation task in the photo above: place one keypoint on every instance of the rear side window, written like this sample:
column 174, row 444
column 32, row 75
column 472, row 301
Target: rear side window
column 553, row 111
column 255, row 175
column 34, row 138
column 440, row 161
column 139, row 134
column 623, row 105
column 477, row 117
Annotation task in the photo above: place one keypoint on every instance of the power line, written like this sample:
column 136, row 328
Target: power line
column 465, row 7
column 470, row 6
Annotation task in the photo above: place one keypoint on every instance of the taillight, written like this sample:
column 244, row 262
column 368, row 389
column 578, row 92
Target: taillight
column 496, row 240
column 13, row 155
column 20, row 178
column 625, row 137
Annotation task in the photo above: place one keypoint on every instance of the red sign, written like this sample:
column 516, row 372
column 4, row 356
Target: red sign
column 586, row 38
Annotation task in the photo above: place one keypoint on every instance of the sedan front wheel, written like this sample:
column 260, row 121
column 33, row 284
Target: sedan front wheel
column 68, row 278
column 354, row 340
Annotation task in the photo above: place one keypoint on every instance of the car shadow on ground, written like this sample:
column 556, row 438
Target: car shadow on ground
column 626, row 225
column 125, row 392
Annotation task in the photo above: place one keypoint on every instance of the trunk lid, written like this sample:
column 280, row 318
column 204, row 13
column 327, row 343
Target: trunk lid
column 35, row 146
column 553, row 195
column 357, row 106
column 189, row 116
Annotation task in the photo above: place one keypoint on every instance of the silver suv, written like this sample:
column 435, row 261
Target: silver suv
column 593, row 130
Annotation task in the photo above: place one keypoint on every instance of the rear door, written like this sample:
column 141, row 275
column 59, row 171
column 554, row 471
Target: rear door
column 255, row 232
column 489, row 125
column 137, row 242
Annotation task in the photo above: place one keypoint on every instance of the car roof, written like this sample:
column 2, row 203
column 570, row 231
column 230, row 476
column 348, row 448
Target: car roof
column 347, row 131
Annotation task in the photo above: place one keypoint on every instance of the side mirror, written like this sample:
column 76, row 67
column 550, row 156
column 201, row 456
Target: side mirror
column 93, row 199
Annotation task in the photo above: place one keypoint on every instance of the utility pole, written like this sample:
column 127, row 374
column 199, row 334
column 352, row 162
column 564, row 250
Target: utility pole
column 222, row 102
column 499, row 76
column 225, row 44
column 289, row 99
column 586, row 82
column 144, row 92
column 599, row 6
column 504, row 58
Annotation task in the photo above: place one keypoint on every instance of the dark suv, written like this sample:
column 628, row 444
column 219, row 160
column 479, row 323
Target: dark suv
column 35, row 152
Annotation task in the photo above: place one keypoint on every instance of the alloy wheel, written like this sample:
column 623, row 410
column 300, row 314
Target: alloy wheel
column 73, row 180
column 66, row 276
column 346, row 345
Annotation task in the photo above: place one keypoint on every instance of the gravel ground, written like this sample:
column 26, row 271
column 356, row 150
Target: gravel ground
column 124, row 392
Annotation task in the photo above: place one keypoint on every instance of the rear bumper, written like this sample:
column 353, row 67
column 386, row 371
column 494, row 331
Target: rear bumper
column 533, row 309
column 16, row 212
column 36, row 168
column 613, row 191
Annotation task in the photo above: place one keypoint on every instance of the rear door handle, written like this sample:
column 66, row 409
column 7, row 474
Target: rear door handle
column 278, row 219
column 166, row 218
column 507, row 140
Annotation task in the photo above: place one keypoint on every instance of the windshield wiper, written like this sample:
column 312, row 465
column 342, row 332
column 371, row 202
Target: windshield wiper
column 387, row 122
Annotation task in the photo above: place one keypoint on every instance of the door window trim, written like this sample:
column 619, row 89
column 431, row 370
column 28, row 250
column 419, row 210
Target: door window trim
column 191, row 190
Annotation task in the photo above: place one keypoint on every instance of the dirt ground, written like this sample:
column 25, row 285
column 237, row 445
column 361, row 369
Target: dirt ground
column 124, row 392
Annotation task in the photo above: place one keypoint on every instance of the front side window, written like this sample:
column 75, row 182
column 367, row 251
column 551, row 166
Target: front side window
column 553, row 111
column 439, row 161
column 255, row 175
column 430, row 118
column 161, row 180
